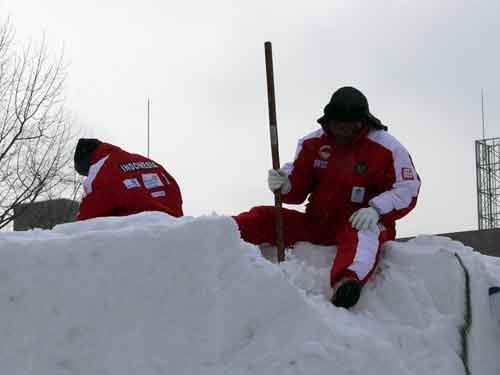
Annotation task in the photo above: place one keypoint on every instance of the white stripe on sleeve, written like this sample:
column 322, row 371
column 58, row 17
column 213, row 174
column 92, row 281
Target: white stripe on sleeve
column 406, row 184
column 93, row 171
column 288, row 167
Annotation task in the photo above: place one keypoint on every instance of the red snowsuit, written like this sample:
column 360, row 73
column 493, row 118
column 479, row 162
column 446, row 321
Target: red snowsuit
column 120, row 184
column 375, row 170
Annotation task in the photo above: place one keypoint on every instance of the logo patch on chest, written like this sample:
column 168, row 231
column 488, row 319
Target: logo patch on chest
column 360, row 168
column 320, row 164
column 325, row 152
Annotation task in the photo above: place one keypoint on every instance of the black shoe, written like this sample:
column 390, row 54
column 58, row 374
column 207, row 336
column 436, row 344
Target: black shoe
column 347, row 293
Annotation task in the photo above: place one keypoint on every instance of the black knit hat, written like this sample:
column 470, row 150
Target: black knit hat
column 349, row 104
column 83, row 154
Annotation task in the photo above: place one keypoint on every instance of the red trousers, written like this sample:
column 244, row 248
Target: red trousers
column 357, row 251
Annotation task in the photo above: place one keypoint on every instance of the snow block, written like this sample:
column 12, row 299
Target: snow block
column 150, row 294
column 111, row 296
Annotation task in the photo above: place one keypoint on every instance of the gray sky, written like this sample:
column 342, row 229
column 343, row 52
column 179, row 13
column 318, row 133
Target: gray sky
column 421, row 64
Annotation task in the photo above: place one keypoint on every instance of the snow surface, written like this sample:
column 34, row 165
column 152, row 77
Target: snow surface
column 150, row 294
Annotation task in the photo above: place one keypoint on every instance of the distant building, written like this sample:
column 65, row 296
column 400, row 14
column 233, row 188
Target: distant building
column 486, row 241
column 45, row 214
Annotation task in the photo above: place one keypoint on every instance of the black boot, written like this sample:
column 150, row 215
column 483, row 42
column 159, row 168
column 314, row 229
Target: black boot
column 346, row 293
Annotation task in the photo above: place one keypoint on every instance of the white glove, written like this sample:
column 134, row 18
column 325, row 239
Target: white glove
column 364, row 218
column 277, row 179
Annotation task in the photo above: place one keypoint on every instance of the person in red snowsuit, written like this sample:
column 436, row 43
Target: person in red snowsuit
column 119, row 183
column 359, row 180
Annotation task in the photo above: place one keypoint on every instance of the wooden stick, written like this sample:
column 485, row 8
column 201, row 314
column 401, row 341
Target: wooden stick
column 273, row 128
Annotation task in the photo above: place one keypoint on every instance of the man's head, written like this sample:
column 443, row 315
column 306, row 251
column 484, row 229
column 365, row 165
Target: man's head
column 83, row 154
column 347, row 114
column 344, row 132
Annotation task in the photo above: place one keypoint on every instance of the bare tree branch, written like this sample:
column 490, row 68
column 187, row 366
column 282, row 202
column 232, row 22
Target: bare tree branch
column 35, row 132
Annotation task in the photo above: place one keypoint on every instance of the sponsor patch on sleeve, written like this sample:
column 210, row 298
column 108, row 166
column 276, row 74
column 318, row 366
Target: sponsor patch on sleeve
column 131, row 183
column 151, row 180
column 407, row 174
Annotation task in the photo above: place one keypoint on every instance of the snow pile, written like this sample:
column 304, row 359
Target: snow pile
column 407, row 322
column 149, row 294
column 131, row 295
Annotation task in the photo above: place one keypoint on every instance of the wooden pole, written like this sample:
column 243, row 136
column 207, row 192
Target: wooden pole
column 273, row 128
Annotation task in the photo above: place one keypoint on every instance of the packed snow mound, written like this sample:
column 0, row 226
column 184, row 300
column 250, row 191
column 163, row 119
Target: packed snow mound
column 150, row 294
column 408, row 320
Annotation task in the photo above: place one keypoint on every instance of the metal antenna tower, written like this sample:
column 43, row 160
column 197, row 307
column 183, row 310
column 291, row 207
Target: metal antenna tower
column 488, row 183
column 488, row 179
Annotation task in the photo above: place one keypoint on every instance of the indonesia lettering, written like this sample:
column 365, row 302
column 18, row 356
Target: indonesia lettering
column 134, row 166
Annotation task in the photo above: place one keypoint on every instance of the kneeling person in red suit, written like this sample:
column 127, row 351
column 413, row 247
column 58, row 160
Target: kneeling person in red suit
column 119, row 183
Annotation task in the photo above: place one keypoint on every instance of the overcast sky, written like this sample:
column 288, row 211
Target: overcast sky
column 421, row 64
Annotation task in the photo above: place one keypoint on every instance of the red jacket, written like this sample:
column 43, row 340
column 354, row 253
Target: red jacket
column 120, row 183
column 375, row 170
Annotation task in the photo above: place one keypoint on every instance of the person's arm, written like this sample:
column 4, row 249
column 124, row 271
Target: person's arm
column 402, row 187
column 300, row 175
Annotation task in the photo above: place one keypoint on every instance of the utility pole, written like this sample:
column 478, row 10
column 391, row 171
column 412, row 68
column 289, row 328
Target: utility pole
column 148, row 128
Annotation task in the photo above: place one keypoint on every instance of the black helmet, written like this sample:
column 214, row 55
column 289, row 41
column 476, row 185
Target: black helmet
column 349, row 104
column 83, row 154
